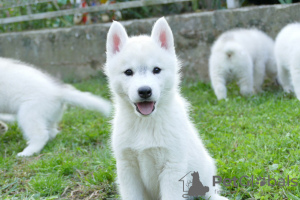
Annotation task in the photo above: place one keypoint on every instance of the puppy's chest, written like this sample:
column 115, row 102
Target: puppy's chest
column 153, row 157
column 143, row 137
column 151, row 163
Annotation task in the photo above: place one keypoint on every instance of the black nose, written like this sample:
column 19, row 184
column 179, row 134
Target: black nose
column 145, row 92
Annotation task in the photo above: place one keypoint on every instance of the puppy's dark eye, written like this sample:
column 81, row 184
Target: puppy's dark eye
column 128, row 72
column 156, row 70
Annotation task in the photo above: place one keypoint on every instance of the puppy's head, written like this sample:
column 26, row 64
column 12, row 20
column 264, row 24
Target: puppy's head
column 142, row 70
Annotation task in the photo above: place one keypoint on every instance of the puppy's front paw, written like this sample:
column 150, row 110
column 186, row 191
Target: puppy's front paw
column 24, row 154
column 3, row 127
column 288, row 89
column 32, row 148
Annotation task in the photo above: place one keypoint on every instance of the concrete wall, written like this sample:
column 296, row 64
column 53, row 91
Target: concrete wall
column 79, row 52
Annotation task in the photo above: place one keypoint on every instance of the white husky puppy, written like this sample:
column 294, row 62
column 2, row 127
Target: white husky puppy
column 287, row 53
column 242, row 54
column 154, row 141
column 36, row 100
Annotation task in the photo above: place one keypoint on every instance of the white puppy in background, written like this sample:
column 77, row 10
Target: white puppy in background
column 287, row 53
column 154, row 141
column 245, row 55
column 36, row 101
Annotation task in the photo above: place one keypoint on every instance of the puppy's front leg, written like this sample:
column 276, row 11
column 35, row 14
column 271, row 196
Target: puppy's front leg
column 219, row 85
column 131, row 186
column 170, row 186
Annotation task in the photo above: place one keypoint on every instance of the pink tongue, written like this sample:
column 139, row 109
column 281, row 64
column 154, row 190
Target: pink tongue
column 145, row 108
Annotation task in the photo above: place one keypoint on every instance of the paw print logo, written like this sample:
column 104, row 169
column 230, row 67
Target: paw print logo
column 195, row 186
column 261, row 181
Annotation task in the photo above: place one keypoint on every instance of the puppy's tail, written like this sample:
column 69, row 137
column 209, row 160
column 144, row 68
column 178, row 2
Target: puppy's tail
column 86, row 100
column 236, row 55
column 231, row 49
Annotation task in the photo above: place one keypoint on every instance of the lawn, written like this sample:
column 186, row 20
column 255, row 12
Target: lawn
column 256, row 136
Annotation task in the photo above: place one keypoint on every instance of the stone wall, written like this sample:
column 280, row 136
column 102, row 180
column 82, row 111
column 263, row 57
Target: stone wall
column 79, row 52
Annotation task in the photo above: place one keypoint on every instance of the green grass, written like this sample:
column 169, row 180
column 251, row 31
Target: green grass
column 256, row 136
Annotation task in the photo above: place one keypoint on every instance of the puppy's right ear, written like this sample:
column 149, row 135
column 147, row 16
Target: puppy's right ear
column 116, row 38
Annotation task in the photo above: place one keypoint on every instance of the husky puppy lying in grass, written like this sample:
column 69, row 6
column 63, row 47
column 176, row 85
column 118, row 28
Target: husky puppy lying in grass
column 245, row 55
column 36, row 100
column 287, row 53
column 154, row 141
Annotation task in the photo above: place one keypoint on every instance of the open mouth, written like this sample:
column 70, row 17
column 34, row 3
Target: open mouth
column 145, row 107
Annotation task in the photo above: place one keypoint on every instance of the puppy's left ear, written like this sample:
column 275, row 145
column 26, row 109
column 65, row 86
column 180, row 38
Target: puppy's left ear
column 162, row 34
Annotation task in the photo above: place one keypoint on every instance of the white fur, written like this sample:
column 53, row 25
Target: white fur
column 233, row 3
column 287, row 53
column 8, row 117
column 152, row 152
column 245, row 55
column 36, row 101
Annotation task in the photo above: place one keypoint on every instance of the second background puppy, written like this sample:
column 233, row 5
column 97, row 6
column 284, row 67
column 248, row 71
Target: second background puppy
column 245, row 55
